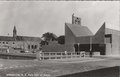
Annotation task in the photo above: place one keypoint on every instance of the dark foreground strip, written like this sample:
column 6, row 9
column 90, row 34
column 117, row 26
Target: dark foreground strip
column 104, row 72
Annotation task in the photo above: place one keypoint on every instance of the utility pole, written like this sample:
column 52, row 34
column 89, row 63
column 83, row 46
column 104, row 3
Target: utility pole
column 91, row 46
column 78, row 47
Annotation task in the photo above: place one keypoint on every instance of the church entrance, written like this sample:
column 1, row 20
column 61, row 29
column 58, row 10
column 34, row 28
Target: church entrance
column 77, row 47
column 94, row 48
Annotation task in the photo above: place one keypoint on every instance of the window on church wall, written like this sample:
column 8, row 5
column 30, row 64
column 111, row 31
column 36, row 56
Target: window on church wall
column 28, row 46
column 35, row 46
column 108, row 38
column 6, row 42
column 3, row 42
column 32, row 46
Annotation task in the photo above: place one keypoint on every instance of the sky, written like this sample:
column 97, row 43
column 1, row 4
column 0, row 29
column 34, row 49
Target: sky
column 34, row 18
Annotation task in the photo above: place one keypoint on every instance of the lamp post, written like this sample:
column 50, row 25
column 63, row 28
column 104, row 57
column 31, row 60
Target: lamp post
column 90, row 46
column 78, row 46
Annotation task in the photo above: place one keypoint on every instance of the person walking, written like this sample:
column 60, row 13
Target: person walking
column 39, row 54
column 66, row 54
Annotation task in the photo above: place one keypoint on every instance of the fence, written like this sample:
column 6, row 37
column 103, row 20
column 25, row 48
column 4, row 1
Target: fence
column 59, row 55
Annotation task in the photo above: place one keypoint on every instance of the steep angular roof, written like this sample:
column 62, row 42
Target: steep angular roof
column 99, row 36
column 79, row 30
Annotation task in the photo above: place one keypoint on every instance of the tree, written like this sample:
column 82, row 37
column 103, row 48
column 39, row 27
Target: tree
column 49, row 36
column 61, row 39
column 44, row 43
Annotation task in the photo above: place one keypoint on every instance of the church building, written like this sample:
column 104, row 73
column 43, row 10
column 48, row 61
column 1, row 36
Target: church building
column 79, row 38
column 19, row 44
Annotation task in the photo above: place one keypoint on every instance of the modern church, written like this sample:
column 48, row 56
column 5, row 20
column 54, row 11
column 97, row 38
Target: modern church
column 79, row 38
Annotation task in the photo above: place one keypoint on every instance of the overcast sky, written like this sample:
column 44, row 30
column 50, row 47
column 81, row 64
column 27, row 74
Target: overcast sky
column 33, row 18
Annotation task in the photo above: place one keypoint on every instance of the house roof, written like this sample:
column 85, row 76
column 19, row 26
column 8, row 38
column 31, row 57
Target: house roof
column 26, row 38
column 6, row 38
column 19, row 38
column 79, row 30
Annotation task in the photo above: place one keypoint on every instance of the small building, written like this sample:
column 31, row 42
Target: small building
column 19, row 44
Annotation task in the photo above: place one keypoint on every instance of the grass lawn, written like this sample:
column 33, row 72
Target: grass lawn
column 47, row 68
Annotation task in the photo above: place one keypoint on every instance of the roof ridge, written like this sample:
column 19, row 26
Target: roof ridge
column 28, row 36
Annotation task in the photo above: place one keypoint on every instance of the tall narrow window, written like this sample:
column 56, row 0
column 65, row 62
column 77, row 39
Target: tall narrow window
column 108, row 38
column 28, row 46
column 35, row 46
column 6, row 42
column 32, row 47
